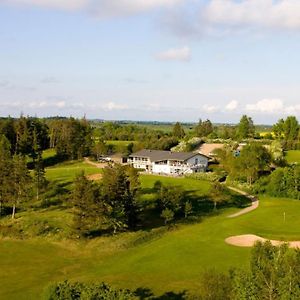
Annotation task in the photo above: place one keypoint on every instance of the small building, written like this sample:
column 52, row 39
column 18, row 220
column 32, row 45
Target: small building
column 167, row 162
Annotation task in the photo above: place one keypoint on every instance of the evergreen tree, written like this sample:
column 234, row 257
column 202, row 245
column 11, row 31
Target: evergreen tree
column 88, row 210
column 39, row 175
column 5, row 171
column 245, row 128
column 204, row 128
column 21, row 183
column 178, row 131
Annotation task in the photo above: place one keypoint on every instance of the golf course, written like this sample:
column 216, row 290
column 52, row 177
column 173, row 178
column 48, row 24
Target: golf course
column 179, row 254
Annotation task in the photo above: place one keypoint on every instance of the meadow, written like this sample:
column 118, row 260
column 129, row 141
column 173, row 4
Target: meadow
column 160, row 259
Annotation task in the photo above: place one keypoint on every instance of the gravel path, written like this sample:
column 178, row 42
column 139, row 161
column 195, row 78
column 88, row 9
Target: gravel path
column 248, row 240
column 254, row 205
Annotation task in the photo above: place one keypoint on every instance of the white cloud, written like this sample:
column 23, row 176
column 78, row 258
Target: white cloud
column 68, row 5
column 114, row 106
column 100, row 8
column 210, row 108
column 284, row 14
column 181, row 54
column 266, row 106
column 232, row 105
column 292, row 109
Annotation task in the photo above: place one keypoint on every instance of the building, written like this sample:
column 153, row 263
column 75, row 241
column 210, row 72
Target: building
column 167, row 162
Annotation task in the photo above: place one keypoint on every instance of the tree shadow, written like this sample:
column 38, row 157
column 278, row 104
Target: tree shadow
column 147, row 294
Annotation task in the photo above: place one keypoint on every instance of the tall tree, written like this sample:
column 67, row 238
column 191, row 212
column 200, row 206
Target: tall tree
column 204, row 128
column 21, row 182
column 88, row 210
column 274, row 274
column 245, row 128
column 5, row 170
column 178, row 131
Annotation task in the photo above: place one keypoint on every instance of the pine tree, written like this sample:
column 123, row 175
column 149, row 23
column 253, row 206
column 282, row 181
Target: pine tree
column 5, row 171
column 21, row 182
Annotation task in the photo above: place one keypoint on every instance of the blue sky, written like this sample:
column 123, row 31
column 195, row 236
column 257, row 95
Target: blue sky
column 164, row 60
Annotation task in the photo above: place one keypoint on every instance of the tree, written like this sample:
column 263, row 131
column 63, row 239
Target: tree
column 253, row 159
column 168, row 215
column 39, row 175
column 178, row 131
column 5, row 171
column 204, row 128
column 245, row 128
column 119, row 189
column 21, row 183
column 218, row 192
column 88, row 210
column 274, row 274
column 288, row 132
column 188, row 209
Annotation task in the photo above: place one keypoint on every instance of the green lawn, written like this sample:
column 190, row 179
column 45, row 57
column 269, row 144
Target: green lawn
column 293, row 156
column 67, row 171
column 161, row 260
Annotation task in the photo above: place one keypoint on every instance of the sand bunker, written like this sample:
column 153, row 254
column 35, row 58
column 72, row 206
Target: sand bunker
column 248, row 240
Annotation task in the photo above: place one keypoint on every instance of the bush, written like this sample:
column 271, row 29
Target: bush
column 77, row 290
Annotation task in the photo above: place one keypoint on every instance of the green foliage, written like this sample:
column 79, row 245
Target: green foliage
column 108, row 204
column 204, row 128
column 288, row 131
column 168, row 215
column 215, row 286
column 87, row 208
column 72, row 291
column 274, row 274
column 245, row 128
column 178, row 131
column 71, row 138
column 253, row 159
column 285, row 182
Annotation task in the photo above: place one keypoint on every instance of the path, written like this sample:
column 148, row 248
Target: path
column 254, row 205
column 95, row 164
column 248, row 240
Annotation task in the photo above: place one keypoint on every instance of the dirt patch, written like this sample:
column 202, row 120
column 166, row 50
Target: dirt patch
column 248, row 240
column 94, row 177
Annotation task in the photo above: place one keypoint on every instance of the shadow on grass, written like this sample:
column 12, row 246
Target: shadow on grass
column 147, row 294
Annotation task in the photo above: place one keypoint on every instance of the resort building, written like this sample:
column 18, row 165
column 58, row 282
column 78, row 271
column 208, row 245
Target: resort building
column 167, row 162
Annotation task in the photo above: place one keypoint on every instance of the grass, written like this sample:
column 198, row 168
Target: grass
column 160, row 260
column 293, row 156
column 120, row 143
column 67, row 171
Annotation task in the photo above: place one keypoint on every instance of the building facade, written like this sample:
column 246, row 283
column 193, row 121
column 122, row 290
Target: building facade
column 167, row 162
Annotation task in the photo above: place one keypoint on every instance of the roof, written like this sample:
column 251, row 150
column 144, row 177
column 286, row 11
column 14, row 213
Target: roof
column 158, row 155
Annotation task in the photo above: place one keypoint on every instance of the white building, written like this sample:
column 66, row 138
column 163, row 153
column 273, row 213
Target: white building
column 167, row 162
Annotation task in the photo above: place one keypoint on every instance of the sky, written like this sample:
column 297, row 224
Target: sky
column 162, row 60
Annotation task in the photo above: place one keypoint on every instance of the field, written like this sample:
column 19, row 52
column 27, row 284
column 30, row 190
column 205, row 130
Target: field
column 160, row 259
column 293, row 156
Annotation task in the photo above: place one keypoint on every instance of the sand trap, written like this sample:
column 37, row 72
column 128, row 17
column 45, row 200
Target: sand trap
column 248, row 240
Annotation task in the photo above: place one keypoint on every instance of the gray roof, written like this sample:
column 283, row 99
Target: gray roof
column 158, row 155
